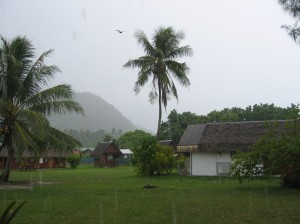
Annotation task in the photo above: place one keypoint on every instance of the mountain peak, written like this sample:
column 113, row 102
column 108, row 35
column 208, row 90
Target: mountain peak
column 98, row 114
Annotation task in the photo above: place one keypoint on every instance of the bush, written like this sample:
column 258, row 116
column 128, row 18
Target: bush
column 74, row 161
column 151, row 158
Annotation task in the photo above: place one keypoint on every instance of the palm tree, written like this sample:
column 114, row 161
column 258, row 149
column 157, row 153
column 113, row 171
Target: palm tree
column 25, row 102
column 159, row 65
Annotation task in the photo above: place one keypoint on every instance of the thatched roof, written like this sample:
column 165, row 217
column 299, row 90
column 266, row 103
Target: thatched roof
column 220, row 137
column 103, row 147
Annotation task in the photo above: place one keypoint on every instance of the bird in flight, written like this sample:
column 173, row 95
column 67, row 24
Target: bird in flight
column 120, row 31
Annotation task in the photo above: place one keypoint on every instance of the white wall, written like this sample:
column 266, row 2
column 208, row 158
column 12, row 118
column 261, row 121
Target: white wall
column 204, row 163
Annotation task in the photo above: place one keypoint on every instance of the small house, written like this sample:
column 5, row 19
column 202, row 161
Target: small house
column 211, row 146
column 106, row 154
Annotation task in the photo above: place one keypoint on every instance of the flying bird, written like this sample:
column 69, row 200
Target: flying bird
column 120, row 31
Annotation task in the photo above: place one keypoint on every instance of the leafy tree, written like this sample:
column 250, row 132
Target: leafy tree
column 24, row 103
column 159, row 64
column 151, row 158
column 132, row 139
column 74, row 161
column 108, row 137
column 275, row 153
column 293, row 8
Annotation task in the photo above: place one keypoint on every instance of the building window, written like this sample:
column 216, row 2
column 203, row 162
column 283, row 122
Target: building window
column 110, row 157
column 223, row 168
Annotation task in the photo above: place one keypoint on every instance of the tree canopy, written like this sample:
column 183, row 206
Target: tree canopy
column 176, row 124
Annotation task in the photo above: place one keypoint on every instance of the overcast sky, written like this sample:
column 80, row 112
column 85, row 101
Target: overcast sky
column 242, row 56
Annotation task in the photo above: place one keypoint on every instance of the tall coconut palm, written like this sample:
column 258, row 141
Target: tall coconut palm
column 159, row 65
column 25, row 101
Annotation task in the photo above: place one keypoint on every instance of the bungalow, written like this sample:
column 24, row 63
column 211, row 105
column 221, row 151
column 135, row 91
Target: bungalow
column 211, row 146
column 106, row 154
column 31, row 160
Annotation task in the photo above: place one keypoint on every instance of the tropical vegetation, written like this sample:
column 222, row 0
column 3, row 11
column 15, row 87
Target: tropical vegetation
column 159, row 65
column 25, row 102
column 176, row 124
column 151, row 158
column 274, row 154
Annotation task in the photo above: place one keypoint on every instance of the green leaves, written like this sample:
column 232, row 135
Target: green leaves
column 9, row 213
column 276, row 153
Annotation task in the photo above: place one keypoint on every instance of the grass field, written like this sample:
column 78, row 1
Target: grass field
column 116, row 195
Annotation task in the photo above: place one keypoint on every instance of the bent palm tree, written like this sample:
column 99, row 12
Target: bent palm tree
column 159, row 65
column 24, row 103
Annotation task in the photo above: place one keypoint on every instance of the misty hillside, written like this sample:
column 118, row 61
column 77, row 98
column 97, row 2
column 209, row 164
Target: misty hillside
column 98, row 115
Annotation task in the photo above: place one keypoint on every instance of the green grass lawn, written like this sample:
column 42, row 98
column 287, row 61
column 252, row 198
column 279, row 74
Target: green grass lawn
column 116, row 195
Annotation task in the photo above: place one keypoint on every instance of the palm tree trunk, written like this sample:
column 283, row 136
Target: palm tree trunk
column 10, row 154
column 159, row 111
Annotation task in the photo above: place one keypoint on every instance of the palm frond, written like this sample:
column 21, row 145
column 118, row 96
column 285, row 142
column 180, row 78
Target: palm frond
column 143, row 40
column 179, row 71
column 62, row 141
column 22, row 138
column 36, row 122
column 180, row 52
column 55, row 100
column 9, row 213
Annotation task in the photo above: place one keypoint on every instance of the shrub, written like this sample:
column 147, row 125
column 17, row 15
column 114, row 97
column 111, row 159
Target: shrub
column 74, row 161
column 151, row 158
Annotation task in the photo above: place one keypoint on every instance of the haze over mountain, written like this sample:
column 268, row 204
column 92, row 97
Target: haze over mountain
column 99, row 114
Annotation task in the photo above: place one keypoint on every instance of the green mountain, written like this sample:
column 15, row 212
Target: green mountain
column 98, row 115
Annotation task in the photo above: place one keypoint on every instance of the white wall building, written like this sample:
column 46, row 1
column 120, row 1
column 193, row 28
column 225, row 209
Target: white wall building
column 211, row 146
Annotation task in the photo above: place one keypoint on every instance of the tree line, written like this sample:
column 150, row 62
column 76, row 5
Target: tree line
column 176, row 122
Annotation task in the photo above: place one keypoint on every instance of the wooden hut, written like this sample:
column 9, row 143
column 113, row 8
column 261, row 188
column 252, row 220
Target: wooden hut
column 212, row 145
column 106, row 154
column 29, row 160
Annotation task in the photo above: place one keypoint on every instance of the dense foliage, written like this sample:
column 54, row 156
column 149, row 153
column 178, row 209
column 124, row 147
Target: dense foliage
column 274, row 154
column 177, row 123
column 151, row 158
column 132, row 139
column 74, row 160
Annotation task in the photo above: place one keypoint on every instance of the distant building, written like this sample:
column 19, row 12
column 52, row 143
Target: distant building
column 106, row 154
column 126, row 153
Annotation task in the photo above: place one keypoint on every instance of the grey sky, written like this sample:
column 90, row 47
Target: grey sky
column 241, row 55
